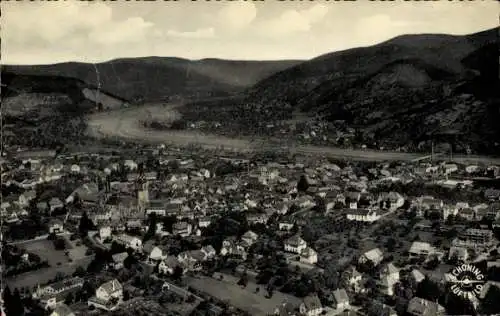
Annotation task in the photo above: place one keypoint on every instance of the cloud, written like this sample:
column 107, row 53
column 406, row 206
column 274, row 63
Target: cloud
column 199, row 33
column 293, row 21
column 236, row 15
column 127, row 31
column 61, row 23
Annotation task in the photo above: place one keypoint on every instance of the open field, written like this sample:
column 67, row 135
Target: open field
column 46, row 250
column 42, row 276
column 246, row 299
column 125, row 124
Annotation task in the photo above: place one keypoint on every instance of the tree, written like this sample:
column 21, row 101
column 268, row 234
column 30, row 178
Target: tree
column 69, row 299
column 490, row 304
column 303, row 184
column 151, row 228
column 85, row 224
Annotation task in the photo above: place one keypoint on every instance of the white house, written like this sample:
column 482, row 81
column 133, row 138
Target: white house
column 309, row 255
column 104, row 232
column 75, row 168
column 311, row 306
column 183, row 229
column 55, row 203
column 129, row 241
column 375, row 256
column 295, row 244
column 56, row 227
column 341, row 299
column 285, row 226
column 156, row 254
column 108, row 296
column 362, row 215
column 130, row 164
column 419, row 248
column 204, row 222
column 389, row 276
column 249, row 238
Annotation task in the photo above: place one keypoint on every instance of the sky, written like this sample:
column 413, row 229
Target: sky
column 42, row 32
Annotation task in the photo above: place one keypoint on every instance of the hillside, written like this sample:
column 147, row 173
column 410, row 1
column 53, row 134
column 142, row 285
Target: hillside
column 152, row 79
column 42, row 95
column 405, row 91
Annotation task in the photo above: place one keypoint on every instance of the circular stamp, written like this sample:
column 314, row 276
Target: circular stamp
column 468, row 281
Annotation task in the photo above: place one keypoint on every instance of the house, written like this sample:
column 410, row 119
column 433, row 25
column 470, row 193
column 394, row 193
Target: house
column 130, row 164
column 168, row 265
column 340, row 299
column 474, row 238
column 380, row 309
column 472, row 169
column 204, row 222
column 285, row 309
column 62, row 310
column 450, row 168
column 156, row 255
column 389, row 276
column 309, row 255
column 284, row 225
column 492, row 194
column 55, row 226
column 422, row 307
column 104, row 232
column 55, row 203
column 108, row 296
column 362, row 215
column 295, row 244
column 249, row 238
column 183, row 229
column 25, row 198
column 75, row 168
column 419, row 248
column 467, row 214
column 417, row 276
column 129, row 241
column 311, row 306
column 391, row 200
column 458, row 253
column 375, row 256
column 209, row 251
column 118, row 260
column 55, row 293
column 352, row 276
column 156, row 207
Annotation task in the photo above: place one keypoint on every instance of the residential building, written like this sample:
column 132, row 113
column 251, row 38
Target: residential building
column 183, row 229
column 62, row 310
column 421, row 307
column 104, row 232
column 295, row 244
column 474, row 238
column 55, row 226
column 340, row 299
column 419, row 248
column 118, row 260
column 249, row 238
column 362, row 215
column 309, row 255
column 129, row 241
column 108, row 296
column 311, row 306
column 458, row 253
column 375, row 256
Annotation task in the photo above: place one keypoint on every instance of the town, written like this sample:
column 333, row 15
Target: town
column 155, row 230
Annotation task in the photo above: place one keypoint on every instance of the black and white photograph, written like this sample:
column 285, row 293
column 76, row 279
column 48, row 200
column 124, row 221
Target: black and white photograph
column 250, row 158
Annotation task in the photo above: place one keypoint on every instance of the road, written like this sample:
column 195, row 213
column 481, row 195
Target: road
column 124, row 124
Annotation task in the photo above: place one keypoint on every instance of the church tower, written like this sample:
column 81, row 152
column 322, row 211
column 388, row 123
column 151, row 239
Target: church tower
column 142, row 193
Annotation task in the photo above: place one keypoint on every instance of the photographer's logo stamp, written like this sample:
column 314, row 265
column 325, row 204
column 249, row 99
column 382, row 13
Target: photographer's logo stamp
column 468, row 281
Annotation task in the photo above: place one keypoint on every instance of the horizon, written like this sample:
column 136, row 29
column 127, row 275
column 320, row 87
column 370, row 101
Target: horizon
column 239, row 60
column 101, row 32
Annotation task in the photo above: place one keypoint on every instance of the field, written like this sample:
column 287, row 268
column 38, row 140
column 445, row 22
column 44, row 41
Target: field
column 125, row 124
column 45, row 249
column 246, row 299
column 59, row 262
